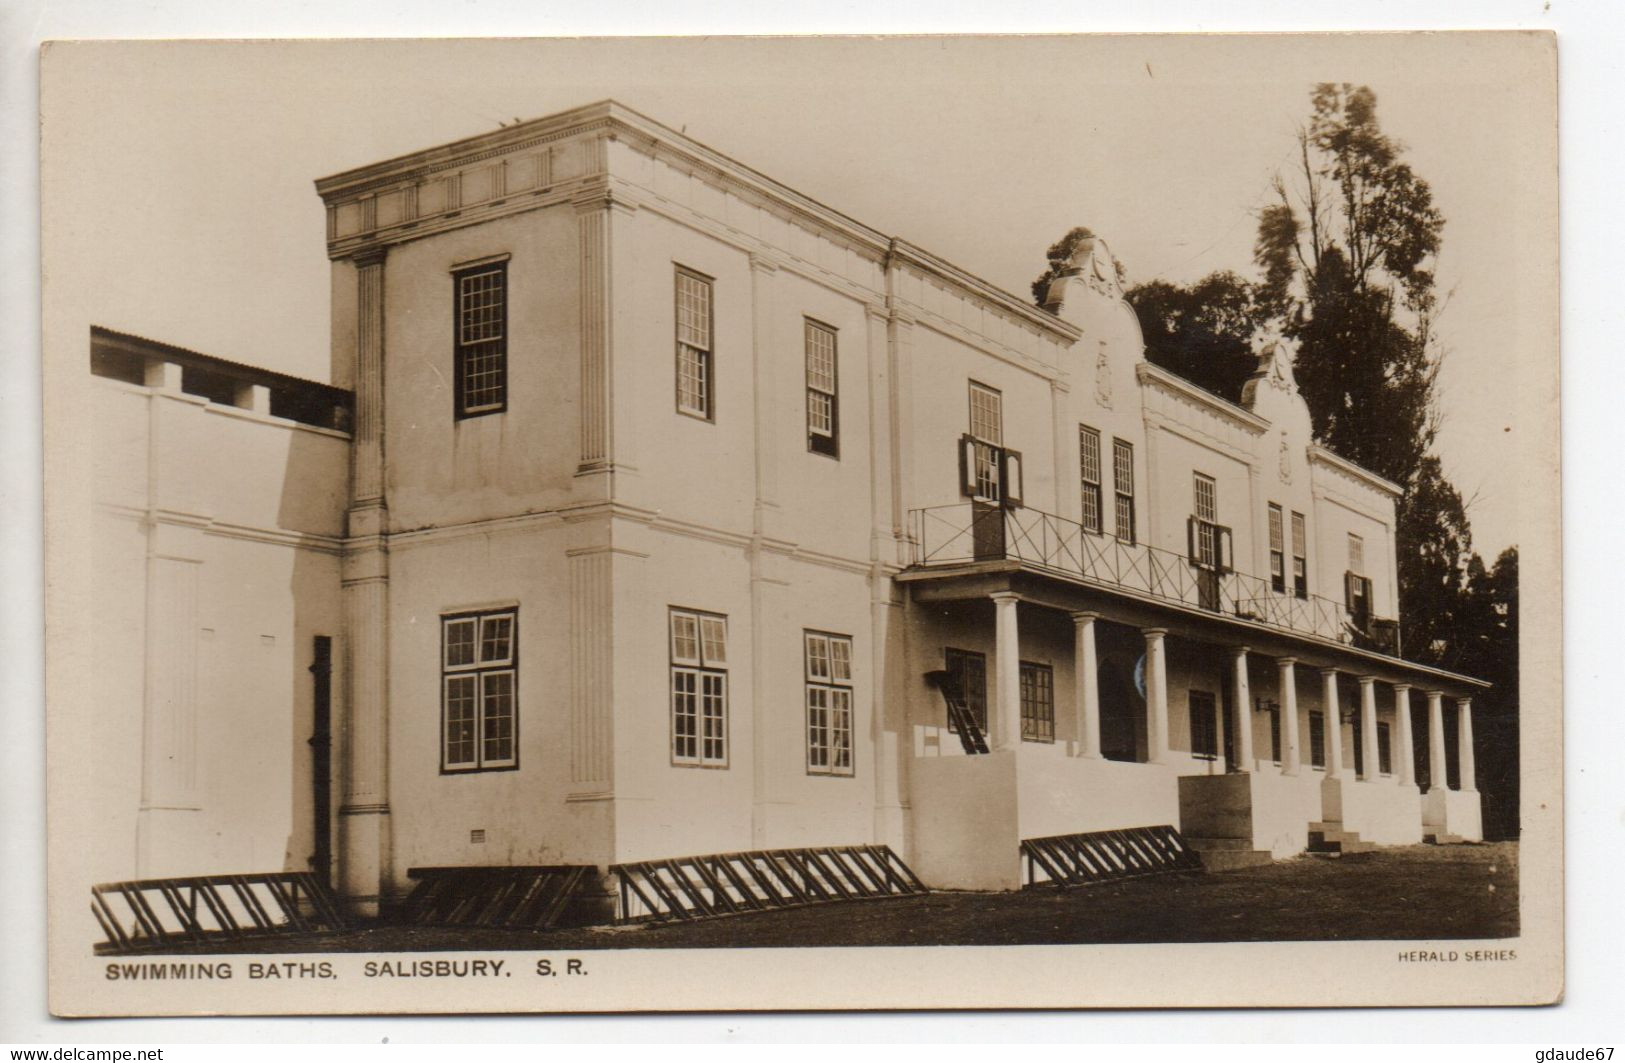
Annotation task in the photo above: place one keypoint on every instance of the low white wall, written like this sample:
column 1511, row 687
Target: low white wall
column 964, row 817
column 1272, row 812
column 1382, row 811
column 1458, row 812
column 1075, row 795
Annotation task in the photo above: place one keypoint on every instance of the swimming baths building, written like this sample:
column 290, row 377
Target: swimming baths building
column 653, row 510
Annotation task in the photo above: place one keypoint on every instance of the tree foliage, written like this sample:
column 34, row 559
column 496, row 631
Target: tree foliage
column 1202, row 332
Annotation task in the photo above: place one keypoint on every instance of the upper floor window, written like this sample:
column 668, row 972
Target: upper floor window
column 1123, row 481
column 988, row 470
column 481, row 354
column 1357, row 588
column 1207, row 520
column 1300, row 557
column 1037, row 702
column 695, row 386
column 823, row 403
column 1089, row 466
column 699, row 688
column 829, row 703
column 479, row 684
column 1277, row 550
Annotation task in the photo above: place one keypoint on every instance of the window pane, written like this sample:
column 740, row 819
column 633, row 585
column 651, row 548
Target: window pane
column 1037, row 703
column 497, row 711
column 841, row 728
column 714, row 717
column 1276, row 535
column 693, row 311
column 1299, row 535
column 459, row 642
column 818, row 738
column 685, row 639
column 713, row 635
column 986, row 415
column 1356, row 555
column 693, row 380
column 820, row 413
column 1206, row 505
column 459, row 738
column 817, row 657
column 820, row 358
column 481, row 296
column 496, row 639
column 1123, row 467
column 684, row 714
column 840, row 652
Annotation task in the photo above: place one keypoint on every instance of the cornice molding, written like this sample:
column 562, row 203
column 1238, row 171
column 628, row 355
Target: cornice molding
column 1319, row 455
column 1162, row 380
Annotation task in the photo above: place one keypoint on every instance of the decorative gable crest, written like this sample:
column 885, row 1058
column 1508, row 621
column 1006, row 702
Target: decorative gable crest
column 1275, row 357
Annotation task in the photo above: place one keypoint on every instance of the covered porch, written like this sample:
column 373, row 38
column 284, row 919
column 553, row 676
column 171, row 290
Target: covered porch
column 1237, row 732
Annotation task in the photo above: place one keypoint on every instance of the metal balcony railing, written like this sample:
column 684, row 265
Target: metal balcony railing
column 968, row 532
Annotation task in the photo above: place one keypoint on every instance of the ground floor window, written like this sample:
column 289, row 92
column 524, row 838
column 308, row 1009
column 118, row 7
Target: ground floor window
column 479, row 691
column 1275, row 733
column 1385, row 757
column 829, row 702
column 969, row 675
column 1204, row 726
column 699, row 688
column 1037, row 702
column 1317, row 739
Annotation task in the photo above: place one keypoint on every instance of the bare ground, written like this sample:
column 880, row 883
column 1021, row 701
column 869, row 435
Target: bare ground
column 1412, row 893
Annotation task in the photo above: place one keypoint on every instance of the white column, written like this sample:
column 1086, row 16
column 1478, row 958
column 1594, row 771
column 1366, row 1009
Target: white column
column 1291, row 757
column 1086, row 681
column 1241, row 694
column 1333, row 731
column 1368, row 727
column 1007, row 662
column 1405, row 751
column 1464, row 743
column 1156, row 693
column 1436, row 741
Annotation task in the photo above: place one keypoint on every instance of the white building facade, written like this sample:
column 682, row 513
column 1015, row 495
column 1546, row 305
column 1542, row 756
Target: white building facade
column 674, row 499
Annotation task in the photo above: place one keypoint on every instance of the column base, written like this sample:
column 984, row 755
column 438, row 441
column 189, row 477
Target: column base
column 364, row 873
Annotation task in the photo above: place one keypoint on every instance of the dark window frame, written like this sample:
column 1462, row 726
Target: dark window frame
column 701, row 668
column 1090, row 489
column 479, row 669
column 462, row 348
column 1037, row 685
column 1202, row 709
column 1277, row 532
column 832, row 685
column 1317, row 738
column 1385, row 749
column 975, row 695
column 825, row 443
column 1123, row 473
column 1300, row 561
column 706, row 357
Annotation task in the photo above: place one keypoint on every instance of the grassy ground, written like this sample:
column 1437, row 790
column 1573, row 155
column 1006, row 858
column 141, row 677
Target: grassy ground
column 1411, row 893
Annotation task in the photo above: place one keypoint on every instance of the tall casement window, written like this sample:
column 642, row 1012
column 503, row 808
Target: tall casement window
column 1123, row 481
column 1204, row 726
column 829, row 703
column 1275, row 733
column 1277, row 550
column 1357, row 588
column 987, row 471
column 823, row 405
column 1317, row 739
column 479, row 691
column 695, row 386
column 1385, row 755
column 1037, row 702
column 1089, row 475
column 1300, row 557
column 969, row 672
column 1206, row 547
column 481, row 350
column 699, row 689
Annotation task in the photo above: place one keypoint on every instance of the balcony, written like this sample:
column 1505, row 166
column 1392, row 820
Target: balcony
column 971, row 533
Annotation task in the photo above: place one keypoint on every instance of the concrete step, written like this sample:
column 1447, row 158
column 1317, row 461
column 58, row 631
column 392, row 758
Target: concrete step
column 1231, row 859
column 1442, row 838
column 1326, row 840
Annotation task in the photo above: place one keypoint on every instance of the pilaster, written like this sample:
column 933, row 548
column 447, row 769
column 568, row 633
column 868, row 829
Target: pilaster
column 596, row 211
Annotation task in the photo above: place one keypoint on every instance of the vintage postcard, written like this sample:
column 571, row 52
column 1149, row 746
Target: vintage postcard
column 802, row 523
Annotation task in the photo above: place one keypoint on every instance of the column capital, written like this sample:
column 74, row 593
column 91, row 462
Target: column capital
column 1402, row 688
column 1005, row 596
column 1286, row 662
column 1435, row 695
column 1241, row 651
column 1367, row 680
column 1084, row 617
column 1153, row 632
column 763, row 264
column 876, row 312
column 1464, row 703
column 370, row 256
column 1328, row 672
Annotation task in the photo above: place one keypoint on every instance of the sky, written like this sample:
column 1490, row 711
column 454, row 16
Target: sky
column 179, row 202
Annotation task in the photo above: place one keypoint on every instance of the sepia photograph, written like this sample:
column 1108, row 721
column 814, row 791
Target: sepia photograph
column 802, row 523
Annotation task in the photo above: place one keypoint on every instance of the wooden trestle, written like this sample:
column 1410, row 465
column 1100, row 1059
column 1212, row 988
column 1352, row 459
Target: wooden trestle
column 697, row 887
column 147, row 915
column 1079, row 859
